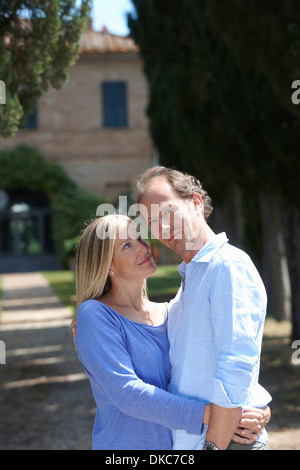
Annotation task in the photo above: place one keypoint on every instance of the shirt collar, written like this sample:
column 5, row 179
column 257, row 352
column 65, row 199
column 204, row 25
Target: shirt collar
column 207, row 251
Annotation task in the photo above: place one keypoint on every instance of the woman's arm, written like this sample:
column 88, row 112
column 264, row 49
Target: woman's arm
column 251, row 424
column 101, row 347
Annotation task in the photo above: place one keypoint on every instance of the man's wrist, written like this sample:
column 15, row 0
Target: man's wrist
column 210, row 446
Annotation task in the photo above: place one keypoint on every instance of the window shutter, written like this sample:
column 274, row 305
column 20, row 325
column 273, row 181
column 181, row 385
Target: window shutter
column 114, row 95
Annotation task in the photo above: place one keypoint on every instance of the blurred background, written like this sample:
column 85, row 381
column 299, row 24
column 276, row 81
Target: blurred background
column 95, row 93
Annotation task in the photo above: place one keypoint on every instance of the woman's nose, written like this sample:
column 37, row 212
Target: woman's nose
column 143, row 246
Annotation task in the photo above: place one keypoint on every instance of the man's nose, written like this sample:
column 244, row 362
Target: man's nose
column 165, row 229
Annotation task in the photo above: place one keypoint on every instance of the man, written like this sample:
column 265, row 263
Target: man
column 216, row 320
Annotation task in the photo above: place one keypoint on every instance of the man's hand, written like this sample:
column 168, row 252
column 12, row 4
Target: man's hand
column 251, row 425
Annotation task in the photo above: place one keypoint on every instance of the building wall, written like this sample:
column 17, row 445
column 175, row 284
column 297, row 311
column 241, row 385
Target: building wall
column 104, row 161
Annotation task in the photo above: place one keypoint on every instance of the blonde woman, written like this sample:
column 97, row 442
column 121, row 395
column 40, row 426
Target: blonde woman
column 121, row 340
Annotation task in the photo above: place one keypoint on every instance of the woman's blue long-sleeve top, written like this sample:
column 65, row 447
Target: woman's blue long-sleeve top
column 129, row 369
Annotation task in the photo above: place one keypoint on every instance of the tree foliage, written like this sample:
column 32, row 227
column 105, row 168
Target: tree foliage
column 265, row 36
column 214, row 109
column 220, row 76
column 39, row 41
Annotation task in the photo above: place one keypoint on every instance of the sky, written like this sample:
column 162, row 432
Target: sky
column 112, row 14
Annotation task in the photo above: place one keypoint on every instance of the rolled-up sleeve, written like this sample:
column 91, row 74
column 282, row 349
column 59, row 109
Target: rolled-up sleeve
column 238, row 305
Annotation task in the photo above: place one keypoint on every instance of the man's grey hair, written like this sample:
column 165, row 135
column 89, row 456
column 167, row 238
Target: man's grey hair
column 183, row 185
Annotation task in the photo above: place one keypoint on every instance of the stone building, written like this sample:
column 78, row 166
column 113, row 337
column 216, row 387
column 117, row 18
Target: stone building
column 96, row 128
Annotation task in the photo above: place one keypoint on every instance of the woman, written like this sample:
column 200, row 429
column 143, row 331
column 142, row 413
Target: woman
column 121, row 340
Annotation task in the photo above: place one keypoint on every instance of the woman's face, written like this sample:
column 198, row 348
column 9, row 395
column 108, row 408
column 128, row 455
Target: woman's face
column 132, row 256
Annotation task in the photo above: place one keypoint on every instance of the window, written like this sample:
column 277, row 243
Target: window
column 31, row 120
column 114, row 99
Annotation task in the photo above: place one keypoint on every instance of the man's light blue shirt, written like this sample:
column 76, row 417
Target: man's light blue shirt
column 215, row 330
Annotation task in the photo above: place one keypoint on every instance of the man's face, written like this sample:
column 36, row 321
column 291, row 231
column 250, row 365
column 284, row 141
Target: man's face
column 176, row 222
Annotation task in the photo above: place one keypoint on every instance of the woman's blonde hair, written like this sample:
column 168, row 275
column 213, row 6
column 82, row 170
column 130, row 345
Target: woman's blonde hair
column 94, row 256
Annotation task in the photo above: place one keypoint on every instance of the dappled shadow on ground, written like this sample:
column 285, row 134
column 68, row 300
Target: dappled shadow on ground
column 282, row 380
column 46, row 400
column 45, row 397
column 28, row 293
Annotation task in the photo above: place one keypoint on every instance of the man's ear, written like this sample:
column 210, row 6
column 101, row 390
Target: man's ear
column 197, row 201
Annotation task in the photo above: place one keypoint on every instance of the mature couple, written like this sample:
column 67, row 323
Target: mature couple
column 178, row 375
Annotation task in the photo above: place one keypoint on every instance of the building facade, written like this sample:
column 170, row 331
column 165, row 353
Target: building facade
column 96, row 127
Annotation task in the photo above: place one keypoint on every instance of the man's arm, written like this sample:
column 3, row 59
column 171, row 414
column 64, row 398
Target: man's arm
column 237, row 310
column 222, row 425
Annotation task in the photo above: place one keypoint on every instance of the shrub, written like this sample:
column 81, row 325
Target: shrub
column 73, row 208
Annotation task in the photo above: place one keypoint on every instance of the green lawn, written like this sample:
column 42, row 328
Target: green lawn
column 63, row 284
column 165, row 281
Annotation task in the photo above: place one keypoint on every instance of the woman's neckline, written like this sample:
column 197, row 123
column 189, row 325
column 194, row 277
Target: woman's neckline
column 135, row 322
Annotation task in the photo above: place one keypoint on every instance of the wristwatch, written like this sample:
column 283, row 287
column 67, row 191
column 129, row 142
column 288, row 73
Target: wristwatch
column 210, row 446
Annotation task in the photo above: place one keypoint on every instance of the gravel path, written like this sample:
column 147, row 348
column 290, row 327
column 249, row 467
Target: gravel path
column 45, row 397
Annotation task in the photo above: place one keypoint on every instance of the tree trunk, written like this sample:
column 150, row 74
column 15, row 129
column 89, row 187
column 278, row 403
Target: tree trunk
column 229, row 217
column 292, row 237
column 275, row 266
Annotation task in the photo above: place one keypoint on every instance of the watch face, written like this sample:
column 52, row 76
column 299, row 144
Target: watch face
column 210, row 446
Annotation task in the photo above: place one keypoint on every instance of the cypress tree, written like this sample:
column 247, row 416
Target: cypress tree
column 220, row 76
